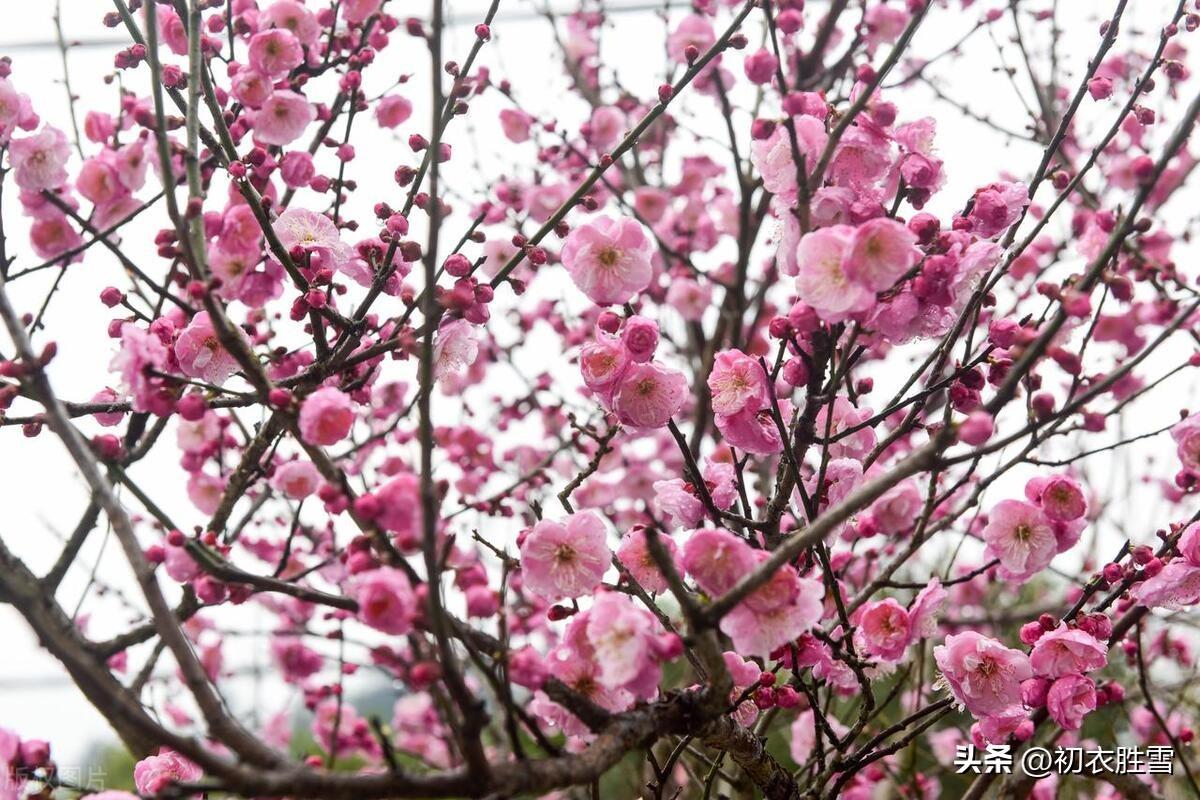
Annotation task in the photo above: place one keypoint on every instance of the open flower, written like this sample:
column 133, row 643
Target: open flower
column 649, row 395
column 1020, row 536
column 155, row 774
column 386, row 600
column 201, row 354
column 1065, row 650
column 609, row 259
column 982, row 674
column 565, row 560
column 326, row 416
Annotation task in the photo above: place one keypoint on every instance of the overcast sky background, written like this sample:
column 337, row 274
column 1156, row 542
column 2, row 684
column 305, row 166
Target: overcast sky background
column 43, row 497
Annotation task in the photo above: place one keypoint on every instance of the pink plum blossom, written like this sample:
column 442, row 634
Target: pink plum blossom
column 736, row 382
column 634, row 554
column 822, row 281
column 982, row 674
column 881, row 252
column 609, row 259
column 155, row 774
column 201, row 354
column 385, row 599
column 649, row 395
column 39, row 161
column 716, row 560
column 1066, row 650
column 296, row 479
column 326, row 416
column 1071, row 698
column 1019, row 534
column 565, row 560
column 274, row 52
column 282, row 118
column 886, row 629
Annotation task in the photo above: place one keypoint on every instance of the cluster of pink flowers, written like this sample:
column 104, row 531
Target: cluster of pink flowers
column 621, row 371
column 1026, row 536
column 810, row 352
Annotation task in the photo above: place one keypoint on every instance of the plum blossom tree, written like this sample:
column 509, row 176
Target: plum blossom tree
column 726, row 444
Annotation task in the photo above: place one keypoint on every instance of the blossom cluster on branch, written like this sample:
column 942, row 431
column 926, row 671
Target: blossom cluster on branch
column 724, row 444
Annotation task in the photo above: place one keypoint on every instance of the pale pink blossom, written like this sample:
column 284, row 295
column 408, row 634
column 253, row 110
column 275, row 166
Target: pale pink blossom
column 251, row 89
column 293, row 16
column 822, row 281
column 140, row 351
column 881, row 251
column 357, row 11
column 639, row 337
column 297, row 169
column 455, row 348
column 155, row 774
column 296, row 479
column 844, row 423
column 649, row 395
column 393, row 110
column 515, row 124
column 716, row 560
column 622, row 637
column 314, row 233
column 982, row 674
column 925, row 608
column 1066, row 650
column 98, row 182
column 53, row 235
column 386, row 600
column 282, row 117
column 775, row 162
column 12, row 106
column 997, row 206
column 679, row 501
column 173, row 31
column 885, row 628
column 744, row 674
column 609, row 259
column 39, row 161
column 201, row 354
column 326, row 416
column 760, row 632
column 997, row 728
column 179, row 564
column 603, row 363
column 1189, row 544
column 737, row 382
column 897, row 511
column 1187, row 443
column 400, row 506
column 205, row 491
column 1060, row 497
column 1176, row 586
column 274, row 52
column 1071, row 698
column 693, row 30
column 605, row 127
column 690, row 298
column 107, row 419
column 1019, row 534
column 754, row 431
column 634, row 555
column 565, row 560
